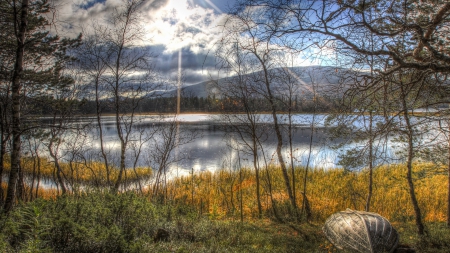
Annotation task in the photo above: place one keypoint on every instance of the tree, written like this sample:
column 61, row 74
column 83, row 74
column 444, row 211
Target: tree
column 64, row 105
column 38, row 60
column 249, row 129
column 288, row 90
column 241, row 32
column 425, row 23
column 342, row 26
column 91, row 55
column 166, row 140
column 15, row 110
column 122, row 71
column 439, row 153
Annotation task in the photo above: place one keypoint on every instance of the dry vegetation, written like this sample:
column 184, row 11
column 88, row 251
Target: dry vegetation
column 78, row 174
column 196, row 207
column 329, row 191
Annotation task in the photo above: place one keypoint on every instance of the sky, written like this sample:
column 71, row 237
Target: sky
column 180, row 32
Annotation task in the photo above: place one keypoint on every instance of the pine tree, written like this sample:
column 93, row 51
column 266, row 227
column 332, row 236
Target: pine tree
column 32, row 64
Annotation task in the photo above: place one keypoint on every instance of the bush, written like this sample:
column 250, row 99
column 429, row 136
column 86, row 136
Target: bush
column 93, row 222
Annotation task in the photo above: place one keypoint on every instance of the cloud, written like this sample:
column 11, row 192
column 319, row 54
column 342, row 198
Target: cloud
column 183, row 25
column 173, row 23
column 195, row 67
column 168, row 26
column 75, row 14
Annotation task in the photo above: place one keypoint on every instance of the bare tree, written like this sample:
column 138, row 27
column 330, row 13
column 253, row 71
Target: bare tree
column 123, row 73
column 62, row 124
column 346, row 22
column 288, row 90
column 249, row 129
column 166, row 140
column 408, row 87
column 439, row 153
column 240, row 31
column 32, row 148
column 91, row 55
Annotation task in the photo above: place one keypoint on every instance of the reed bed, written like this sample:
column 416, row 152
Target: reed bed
column 77, row 174
column 328, row 191
column 222, row 193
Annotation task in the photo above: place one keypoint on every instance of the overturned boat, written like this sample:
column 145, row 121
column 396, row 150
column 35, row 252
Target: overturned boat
column 359, row 231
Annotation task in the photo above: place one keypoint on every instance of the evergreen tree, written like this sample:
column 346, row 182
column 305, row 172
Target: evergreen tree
column 32, row 64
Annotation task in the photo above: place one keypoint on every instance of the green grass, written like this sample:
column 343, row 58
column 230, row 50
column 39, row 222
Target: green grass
column 104, row 222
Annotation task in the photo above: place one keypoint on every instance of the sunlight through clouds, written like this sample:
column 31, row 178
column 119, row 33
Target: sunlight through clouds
column 181, row 24
column 173, row 23
column 189, row 28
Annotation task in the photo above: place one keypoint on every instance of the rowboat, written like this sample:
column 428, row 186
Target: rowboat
column 359, row 231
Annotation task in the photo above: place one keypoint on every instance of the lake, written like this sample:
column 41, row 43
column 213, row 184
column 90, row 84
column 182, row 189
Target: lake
column 206, row 142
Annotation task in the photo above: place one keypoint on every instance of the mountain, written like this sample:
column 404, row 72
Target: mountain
column 325, row 81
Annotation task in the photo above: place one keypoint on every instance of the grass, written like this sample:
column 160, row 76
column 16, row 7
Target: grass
column 201, row 213
column 105, row 222
column 76, row 174
column 328, row 191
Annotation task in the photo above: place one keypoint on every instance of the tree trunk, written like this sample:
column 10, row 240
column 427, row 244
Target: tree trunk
column 269, row 185
column 279, row 137
column 241, row 204
column 59, row 176
column 417, row 212
column 15, row 111
column 38, row 174
column 118, row 121
column 369, row 195
column 305, row 203
column 256, row 166
column 20, row 193
column 33, row 178
column 100, row 129
column 2, row 166
column 448, row 183
column 291, row 152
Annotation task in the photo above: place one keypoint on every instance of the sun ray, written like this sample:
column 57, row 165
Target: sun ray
column 177, row 134
column 180, row 55
column 214, row 6
column 305, row 85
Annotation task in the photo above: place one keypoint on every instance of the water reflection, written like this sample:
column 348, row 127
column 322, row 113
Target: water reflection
column 211, row 149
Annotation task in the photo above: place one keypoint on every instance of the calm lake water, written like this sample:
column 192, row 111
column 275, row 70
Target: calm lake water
column 207, row 142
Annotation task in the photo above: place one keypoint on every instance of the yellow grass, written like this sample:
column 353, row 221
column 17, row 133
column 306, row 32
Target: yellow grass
column 89, row 173
column 328, row 191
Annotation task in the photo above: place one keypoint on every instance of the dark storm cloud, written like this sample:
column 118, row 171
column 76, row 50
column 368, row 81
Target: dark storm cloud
column 189, row 60
column 195, row 67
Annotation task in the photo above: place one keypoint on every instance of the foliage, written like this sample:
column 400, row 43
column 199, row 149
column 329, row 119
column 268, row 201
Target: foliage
column 217, row 194
column 103, row 222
